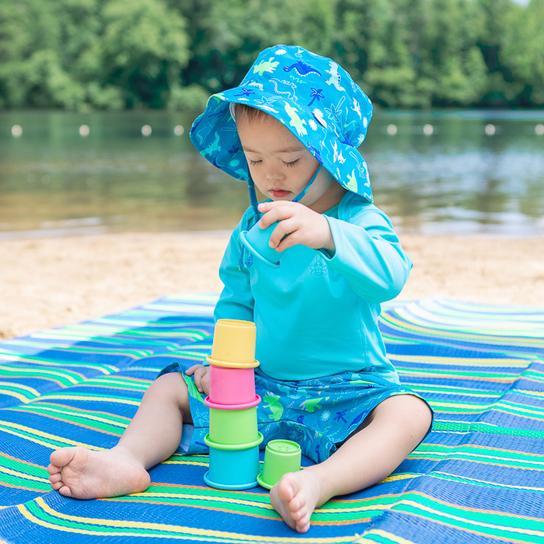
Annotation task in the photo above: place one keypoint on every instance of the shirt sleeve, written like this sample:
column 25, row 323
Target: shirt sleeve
column 236, row 299
column 368, row 254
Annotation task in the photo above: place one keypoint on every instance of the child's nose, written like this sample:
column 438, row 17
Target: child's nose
column 274, row 176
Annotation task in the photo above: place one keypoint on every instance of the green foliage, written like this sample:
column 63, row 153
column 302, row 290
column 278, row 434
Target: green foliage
column 119, row 54
column 189, row 98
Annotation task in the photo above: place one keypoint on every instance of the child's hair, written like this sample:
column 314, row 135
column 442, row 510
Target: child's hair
column 252, row 114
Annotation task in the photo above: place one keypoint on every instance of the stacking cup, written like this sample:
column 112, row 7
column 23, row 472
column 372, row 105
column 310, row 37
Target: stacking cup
column 234, row 342
column 233, row 424
column 231, row 385
column 280, row 457
column 257, row 241
column 233, row 467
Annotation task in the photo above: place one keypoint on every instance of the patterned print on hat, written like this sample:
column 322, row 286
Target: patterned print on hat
column 312, row 96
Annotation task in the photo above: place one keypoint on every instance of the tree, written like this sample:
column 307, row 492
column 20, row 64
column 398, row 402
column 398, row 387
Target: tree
column 144, row 47
column 523, row 51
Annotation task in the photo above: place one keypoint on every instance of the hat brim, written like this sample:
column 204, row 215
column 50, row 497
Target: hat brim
column 215, row 135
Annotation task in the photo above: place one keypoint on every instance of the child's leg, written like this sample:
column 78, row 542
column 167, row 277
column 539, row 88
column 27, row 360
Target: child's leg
column 153, row 435
column 394, row 428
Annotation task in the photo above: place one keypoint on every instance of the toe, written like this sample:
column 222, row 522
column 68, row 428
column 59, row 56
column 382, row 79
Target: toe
column 54, row 478
column 57, row 485
column 65, row 490
column 286, row 489
column 299, row 515
column 303, row 524
column 62, row 457
column 296, row 503
column 52, row 469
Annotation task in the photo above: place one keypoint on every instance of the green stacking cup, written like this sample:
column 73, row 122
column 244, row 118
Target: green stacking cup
column 280, row 457
column 233, row 424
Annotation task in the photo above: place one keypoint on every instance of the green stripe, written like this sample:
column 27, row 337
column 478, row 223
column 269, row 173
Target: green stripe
column 126, row 352
column 502, row 522
column 9, row 480
column 105, row 369
column 57, row 376
column 466, row 373
column 7, row 388
column 77, row 526
column 83, row 420
column 487, row 428
column 24, row 468
column 54, row 442
column 493, row 485
column 468, row 448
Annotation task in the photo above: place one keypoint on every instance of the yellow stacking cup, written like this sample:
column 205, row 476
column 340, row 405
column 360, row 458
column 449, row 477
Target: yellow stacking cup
column 234, row 343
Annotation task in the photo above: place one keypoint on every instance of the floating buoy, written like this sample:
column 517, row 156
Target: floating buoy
column 178, row 130
column 490, row 129
column 146, row 130
column 428, row 129
column 392, row 130
column 16, row 131
column 539, row 129
column 84, row 131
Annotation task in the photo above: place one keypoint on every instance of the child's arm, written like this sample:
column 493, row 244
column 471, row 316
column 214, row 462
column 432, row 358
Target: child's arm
column 236, row 299
column 368, row 253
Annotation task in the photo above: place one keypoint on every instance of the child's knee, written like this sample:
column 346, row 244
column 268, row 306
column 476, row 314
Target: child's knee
column 407, row 412
column 173, row 387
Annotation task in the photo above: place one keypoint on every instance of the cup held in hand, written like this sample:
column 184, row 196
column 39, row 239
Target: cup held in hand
column 257, row 241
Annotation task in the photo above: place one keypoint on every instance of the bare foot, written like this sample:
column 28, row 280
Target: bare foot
column 295, row 497
column 85, row 474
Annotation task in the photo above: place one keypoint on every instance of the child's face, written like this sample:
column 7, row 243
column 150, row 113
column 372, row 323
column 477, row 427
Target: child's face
column 279, row 164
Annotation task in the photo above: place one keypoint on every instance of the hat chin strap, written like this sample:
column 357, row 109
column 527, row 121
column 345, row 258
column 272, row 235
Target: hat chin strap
column 298, row 198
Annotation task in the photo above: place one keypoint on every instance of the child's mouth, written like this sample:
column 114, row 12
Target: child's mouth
column 278, row 193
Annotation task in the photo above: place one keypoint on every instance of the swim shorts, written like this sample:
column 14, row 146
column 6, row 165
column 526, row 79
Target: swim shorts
column 320, row 413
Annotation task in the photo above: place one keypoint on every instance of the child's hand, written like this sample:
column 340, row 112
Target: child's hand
column 298, row 224
column 201, row 377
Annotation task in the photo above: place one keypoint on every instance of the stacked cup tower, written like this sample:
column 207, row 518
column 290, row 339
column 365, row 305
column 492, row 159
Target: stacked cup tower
column 233, row 437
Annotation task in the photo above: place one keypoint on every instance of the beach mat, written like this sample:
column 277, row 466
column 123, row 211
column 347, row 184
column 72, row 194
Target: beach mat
column 478, row 477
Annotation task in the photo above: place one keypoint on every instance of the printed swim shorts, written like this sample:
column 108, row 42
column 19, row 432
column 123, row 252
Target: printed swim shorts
column 320, row 414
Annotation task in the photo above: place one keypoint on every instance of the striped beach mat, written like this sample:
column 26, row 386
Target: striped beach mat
column 478, row 477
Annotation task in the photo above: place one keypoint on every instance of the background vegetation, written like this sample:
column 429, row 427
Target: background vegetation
column 126, row 54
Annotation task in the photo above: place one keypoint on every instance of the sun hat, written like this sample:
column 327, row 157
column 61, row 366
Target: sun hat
column 312, row 96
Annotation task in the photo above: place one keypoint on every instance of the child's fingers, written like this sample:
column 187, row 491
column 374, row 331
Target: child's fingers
column 283, row 229
column 289, row 241
column 265, row 206
column 191, row 369
column 206, row 382
column 201, row 374
column 276, row 214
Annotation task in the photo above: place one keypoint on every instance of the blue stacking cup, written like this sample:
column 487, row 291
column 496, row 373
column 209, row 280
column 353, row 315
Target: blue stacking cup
column 233, row 467
column 256, row 240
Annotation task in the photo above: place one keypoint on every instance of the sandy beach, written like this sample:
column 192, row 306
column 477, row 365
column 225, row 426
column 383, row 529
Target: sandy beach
column 51, row 282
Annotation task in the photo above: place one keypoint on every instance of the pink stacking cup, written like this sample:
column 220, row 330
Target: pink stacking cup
column 231, row 385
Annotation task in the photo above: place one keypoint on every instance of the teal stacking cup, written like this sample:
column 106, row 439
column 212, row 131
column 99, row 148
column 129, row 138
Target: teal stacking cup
column 257, row 241
column 233, row 467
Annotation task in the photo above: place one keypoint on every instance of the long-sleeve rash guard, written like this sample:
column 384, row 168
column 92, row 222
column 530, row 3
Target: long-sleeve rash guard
column 317, row 313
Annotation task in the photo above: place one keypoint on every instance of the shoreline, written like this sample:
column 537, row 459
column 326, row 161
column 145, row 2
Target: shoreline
column 86, row 232
column 54, row 281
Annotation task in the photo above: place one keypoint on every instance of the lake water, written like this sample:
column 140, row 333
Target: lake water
column 433, row 172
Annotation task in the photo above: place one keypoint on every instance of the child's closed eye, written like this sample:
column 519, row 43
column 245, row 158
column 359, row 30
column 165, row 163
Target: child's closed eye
column 290, row 164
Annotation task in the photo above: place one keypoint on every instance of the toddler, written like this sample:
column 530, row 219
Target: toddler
column 291, row 129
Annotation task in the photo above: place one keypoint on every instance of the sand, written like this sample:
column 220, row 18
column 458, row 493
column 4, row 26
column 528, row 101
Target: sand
column 51, row 282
